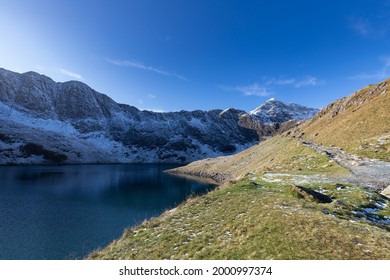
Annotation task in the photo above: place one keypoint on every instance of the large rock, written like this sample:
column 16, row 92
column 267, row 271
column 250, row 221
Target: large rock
column 310, row 194
column 386, row 192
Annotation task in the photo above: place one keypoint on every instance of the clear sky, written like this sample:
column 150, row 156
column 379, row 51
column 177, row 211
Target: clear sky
column 171, row 55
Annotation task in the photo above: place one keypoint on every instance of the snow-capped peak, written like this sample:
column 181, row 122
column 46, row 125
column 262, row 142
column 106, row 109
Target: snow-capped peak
column 273, row 111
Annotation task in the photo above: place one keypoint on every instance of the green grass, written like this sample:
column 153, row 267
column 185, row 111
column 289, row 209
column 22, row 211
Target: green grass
column 252, row 219
column 349, row 201
column 259, row 217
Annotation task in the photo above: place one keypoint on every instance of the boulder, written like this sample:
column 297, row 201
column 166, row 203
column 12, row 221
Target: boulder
column 386, row 192
column 310, row 194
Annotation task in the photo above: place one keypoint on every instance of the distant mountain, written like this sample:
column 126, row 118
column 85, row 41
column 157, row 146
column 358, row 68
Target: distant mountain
column 274, row 111
column 358, row 124
column 42, row 121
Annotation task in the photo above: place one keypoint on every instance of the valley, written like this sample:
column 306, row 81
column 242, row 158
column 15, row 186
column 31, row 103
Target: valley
column 293, row 182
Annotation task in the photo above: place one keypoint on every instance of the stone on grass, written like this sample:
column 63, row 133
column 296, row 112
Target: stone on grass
column 310, row 194
column 386, row 192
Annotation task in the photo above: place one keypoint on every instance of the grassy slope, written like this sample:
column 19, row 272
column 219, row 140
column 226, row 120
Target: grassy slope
column 255, row 218
column 249, row 220
column 362, row 128
column 281, row 154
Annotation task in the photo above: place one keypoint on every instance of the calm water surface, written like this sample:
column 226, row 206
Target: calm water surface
column 65, row 212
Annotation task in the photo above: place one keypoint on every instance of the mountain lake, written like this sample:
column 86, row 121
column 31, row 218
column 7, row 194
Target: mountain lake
column 66, row 212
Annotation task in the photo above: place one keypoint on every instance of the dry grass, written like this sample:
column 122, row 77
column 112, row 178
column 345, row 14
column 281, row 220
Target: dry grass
column 359, row 123
column 281, row 154
column 251, row 220
column 254, row 217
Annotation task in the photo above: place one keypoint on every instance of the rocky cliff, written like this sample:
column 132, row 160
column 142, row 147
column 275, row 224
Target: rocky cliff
column 42, row 121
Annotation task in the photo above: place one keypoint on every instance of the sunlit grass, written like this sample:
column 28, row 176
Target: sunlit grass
column 362, row 126
column 257, row 220
column 257, row 216
column 278, row 154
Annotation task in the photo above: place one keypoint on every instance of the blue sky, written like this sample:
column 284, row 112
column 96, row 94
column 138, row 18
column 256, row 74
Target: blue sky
column 183, row 54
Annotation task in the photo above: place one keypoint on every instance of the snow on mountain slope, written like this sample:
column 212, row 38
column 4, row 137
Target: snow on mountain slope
column 42, row 121
column 274, row 111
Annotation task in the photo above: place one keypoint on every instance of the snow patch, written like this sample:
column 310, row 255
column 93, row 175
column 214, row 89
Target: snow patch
column 65, row 128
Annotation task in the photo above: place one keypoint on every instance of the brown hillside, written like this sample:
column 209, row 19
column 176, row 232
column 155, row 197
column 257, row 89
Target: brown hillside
column 359, row 123
column 280, row 154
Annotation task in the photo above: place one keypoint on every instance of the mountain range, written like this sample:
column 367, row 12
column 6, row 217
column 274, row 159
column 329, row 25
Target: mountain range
column 354, row 131
column 43, row 121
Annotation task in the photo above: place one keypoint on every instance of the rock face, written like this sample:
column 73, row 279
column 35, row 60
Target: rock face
column 42, row 121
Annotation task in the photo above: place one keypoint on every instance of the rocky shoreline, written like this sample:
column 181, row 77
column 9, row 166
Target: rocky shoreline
column 213, row 178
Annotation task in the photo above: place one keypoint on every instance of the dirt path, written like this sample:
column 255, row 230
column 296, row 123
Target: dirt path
column 370, row 173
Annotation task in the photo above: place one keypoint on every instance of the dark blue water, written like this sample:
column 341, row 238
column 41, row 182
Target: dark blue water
column 65, row 212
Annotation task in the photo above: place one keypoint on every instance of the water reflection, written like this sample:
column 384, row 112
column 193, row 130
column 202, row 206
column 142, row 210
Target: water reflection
column 61, row 212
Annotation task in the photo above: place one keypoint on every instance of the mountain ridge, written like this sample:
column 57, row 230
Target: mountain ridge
column 85, row 126
column 353, row 131
column 273, row 111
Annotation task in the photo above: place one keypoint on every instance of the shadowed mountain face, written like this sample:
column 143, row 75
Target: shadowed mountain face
column 42, row 121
